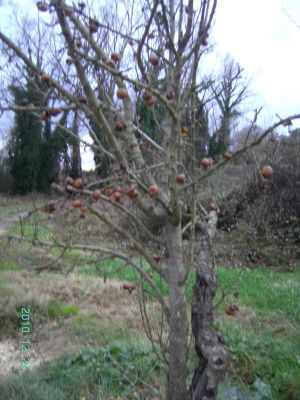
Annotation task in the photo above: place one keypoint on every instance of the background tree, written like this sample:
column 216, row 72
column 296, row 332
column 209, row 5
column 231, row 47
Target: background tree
column 25, row 143
column 230, row 91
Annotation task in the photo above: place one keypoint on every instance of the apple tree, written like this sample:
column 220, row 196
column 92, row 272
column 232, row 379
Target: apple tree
column 150, row 54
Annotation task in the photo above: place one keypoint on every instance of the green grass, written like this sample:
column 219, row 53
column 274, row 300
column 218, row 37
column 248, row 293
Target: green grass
column 90, row 328
column 10, row 265
column 57, row 309
column 115, row 371
column 271, row 293
column 31, row 230
column 264, row 336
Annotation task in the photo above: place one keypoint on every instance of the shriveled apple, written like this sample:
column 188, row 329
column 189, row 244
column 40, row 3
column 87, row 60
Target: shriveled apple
column 119, row 126
column 96, row 195
column 129, row 287
column 184, row 130
column 55, row 111
column 42, row 6
column 82, row 99
column 146, row 95
column 180, row 178
column 122, row 93
column 150, row 102
column 213, row 206
column 76, row 203
column 68, row 11
column 266, row 171
column 205, row 162
column 154, row 59
column 78, row 183
column 153, row 190
column 231, row 310
column 46, row 79
column 132, row 193
column 116, row 57
column 117, row 196
column 170, row 95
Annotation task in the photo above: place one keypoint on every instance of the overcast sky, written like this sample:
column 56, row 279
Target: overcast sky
column 262, row 35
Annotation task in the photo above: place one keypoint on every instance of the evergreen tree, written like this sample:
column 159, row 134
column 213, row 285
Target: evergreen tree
column 34, row 149
column 25, row 144
column 48, row 171
column 146, row 120
column 148, row 117
column 202, row 130
column 220, row 140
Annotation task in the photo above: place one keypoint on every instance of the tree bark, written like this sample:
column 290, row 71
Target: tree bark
column 178, row 329
column 209, row 345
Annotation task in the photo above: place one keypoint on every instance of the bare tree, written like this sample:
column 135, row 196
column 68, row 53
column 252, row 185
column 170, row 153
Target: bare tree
column 230, row 90
column 152, row 56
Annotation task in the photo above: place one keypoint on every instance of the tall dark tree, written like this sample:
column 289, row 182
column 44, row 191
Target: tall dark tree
column 202, row 130
column 48, row 172
column 25, row 144
column 34, row 149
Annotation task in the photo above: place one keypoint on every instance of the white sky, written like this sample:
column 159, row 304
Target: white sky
column 258, row 34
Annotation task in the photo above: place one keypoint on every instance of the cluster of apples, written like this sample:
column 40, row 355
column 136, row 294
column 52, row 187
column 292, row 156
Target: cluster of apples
column 116, row 193
column 207, row 162
column 76, row 184
column 154, row 190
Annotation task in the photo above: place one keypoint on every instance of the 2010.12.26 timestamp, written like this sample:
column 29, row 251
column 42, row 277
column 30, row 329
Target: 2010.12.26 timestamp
column 25, row 344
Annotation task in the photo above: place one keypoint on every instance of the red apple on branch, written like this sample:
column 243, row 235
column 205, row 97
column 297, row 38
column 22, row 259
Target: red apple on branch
column 153, row 190
column 122, row 93
column 96, row 195
column 266, row 172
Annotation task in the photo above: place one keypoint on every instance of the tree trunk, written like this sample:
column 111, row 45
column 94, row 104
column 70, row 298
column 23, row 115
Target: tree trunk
column 76, row 158
column 209, row 345
column 177, row 373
